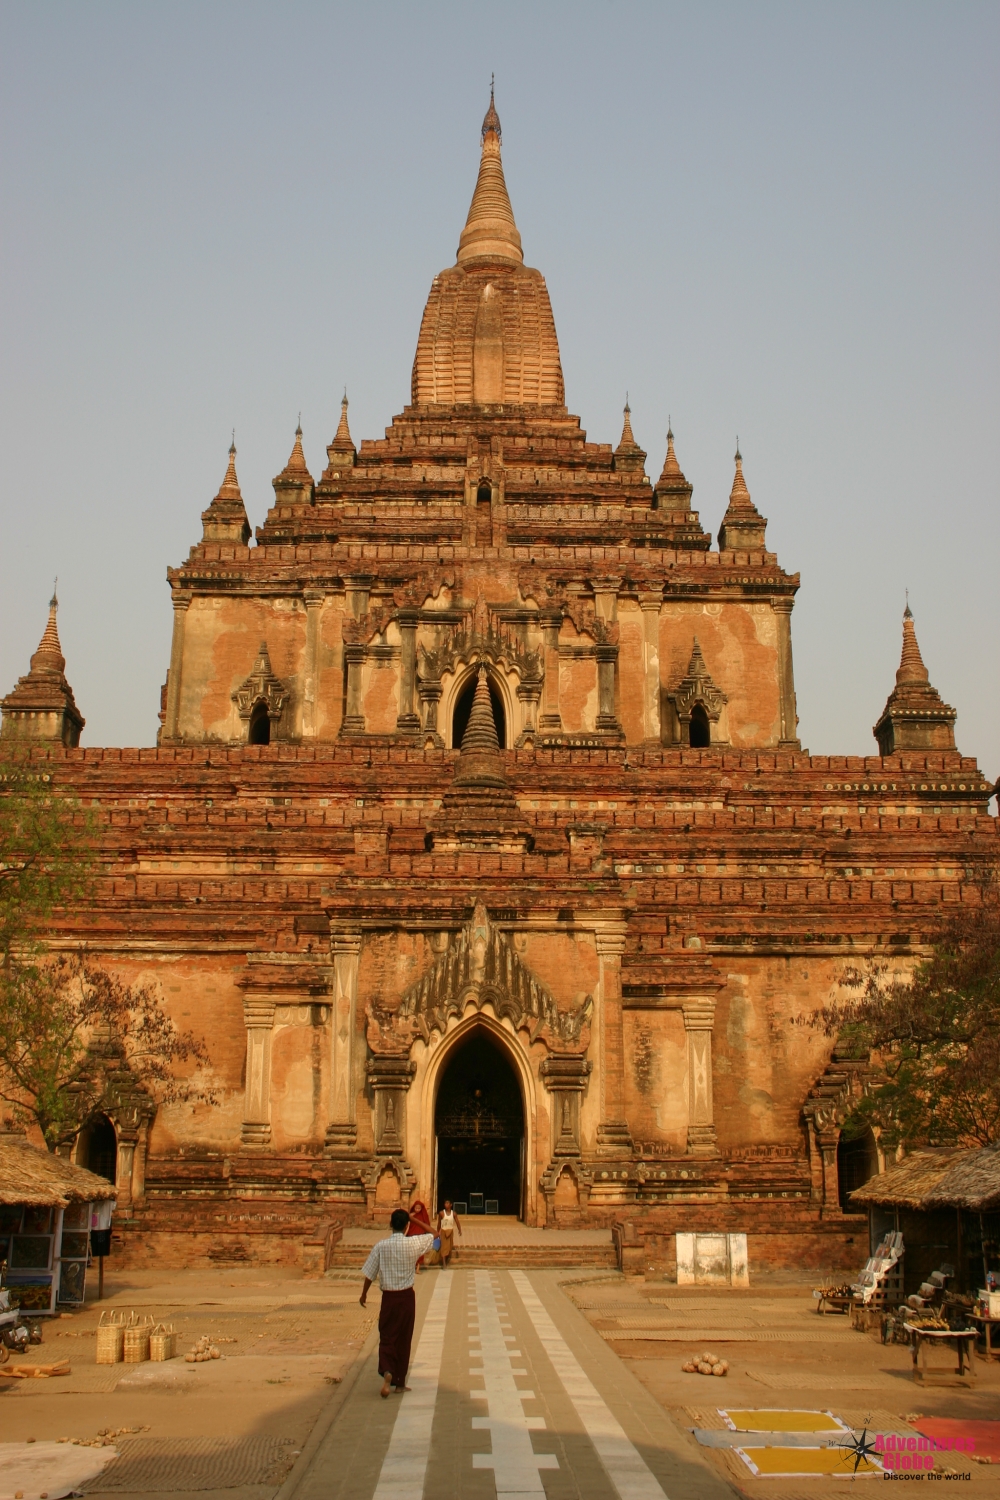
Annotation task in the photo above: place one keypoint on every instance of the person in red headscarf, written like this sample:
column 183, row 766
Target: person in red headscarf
column 419, row 1224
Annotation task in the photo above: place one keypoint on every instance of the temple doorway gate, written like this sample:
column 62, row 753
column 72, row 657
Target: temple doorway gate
column 479, row 1129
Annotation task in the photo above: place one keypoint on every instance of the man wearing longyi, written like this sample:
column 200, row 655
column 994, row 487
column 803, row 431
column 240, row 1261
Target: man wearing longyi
column 392, row 1262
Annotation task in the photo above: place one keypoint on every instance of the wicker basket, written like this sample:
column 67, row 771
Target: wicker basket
column 110, row 1338
column 161, row 1343
column 137, row 1340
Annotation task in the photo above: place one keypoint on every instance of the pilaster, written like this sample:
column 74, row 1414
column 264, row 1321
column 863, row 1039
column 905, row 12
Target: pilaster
column 566, row 1079
column 782, row 607
column 354, row 719
column 551, row 719
column 258, row 1017
column 314, row 600
column 390, row 1079
column 407, row 720
column 699, row 1021
column 613, row 1135
column 171, row 729
column 650, row 603
column 342, row 1131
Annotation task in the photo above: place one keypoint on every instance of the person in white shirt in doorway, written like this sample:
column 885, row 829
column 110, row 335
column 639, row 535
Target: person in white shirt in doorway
column 392, row 1263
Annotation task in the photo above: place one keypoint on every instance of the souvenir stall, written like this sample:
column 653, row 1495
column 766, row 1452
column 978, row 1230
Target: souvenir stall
column 48, row 1208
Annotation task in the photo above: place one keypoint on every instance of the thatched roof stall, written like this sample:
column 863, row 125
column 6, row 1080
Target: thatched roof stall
column 972, row 1183
column 946, row 1203
column 48, row 1207
column 907, row 1184
column 29, row 1174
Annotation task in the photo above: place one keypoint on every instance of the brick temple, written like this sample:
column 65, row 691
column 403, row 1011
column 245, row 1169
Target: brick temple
column 478, row 841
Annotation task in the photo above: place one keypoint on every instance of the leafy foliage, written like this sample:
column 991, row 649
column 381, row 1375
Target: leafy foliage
column 73, row 1038
column 933, row 1036
column 47, row 855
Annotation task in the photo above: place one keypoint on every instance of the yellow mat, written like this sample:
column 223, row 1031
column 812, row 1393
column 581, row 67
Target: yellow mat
column 760, row 1420
column 766, row 1462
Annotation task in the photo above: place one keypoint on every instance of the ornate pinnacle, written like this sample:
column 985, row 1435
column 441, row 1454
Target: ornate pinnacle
column 491, row 120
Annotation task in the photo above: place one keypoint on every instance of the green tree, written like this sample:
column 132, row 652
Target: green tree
column 73, row 1037
column 48, row 848
column 933, row 1036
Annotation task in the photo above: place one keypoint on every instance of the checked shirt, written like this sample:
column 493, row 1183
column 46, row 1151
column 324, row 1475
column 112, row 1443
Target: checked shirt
column 392, row 1262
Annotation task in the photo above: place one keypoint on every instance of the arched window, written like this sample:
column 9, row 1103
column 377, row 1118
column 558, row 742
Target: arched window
column 484, row 513
column 701, row 735
column 463, row 709
column 260, row 725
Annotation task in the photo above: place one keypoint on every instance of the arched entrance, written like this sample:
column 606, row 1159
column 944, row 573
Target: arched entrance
column 700, row 733
column 857, row 1160
column 260, row 725
column 479, row 1128
column 97, row 1149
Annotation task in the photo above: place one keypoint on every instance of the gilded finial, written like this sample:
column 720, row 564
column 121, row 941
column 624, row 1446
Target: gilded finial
column 907, row 612
column 54, row 601
column 232, row 445
column 739, row 455
column 670, row 429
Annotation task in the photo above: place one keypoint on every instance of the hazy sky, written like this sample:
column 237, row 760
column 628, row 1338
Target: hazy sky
column 781, row 221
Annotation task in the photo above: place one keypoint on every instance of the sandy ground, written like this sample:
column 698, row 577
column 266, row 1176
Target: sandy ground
column 287, row 1343
column 781, row 1354
column 233, row 1429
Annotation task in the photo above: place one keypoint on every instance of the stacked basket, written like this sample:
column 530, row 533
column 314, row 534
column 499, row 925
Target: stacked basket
column 110, row 1338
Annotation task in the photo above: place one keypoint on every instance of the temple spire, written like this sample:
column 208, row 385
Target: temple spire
column 341, row 453
column 743, row 526
column 914, row 717
column 49, row 657
column 295, row 483
column 629, row 457
column 911, row 663
column 297, row 460
column 229, row 489
column 490, row 232
column 672, row 492
column 225, row 520
column 42, row 706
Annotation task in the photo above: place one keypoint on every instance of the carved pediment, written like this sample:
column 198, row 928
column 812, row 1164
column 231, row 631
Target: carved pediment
column 262, row 686
column 481, row 967
column 481, row 635
column 697, row 687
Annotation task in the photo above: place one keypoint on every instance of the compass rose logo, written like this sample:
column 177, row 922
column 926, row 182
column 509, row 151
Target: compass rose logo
column 859, row 1446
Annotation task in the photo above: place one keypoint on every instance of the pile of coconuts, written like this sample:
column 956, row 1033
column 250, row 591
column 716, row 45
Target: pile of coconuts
column 706, row 1364
column 203, row 1349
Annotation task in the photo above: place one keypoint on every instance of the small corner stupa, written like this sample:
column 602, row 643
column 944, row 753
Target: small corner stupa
column 743, row 526
column 225, row 520
column 914, row 717
column 42, row 707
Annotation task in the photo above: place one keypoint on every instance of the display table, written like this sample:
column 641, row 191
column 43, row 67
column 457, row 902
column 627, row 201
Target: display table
column 987, row 1325
column 833, row 1302
column 963, row 1342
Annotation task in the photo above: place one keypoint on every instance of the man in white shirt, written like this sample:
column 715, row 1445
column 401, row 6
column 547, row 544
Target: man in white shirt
column 393, row 1263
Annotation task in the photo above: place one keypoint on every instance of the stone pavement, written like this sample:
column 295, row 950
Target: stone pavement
column 513, row 1393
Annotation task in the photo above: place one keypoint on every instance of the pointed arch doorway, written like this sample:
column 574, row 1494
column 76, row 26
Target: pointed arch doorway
column 479, row 1128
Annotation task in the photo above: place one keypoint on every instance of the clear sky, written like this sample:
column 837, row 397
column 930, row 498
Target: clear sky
column 774, row 220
